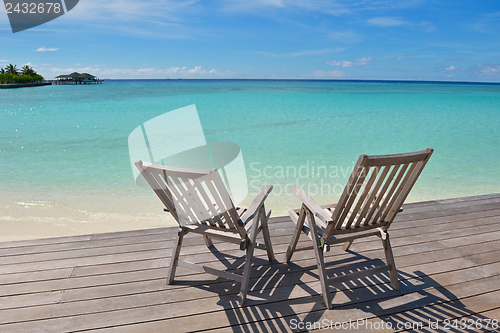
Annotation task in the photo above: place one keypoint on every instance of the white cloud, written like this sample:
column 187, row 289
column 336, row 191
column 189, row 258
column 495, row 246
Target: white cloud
column 166, row 19
column 328, row 74
column 131, row 10
column 409, row 57
column 482, row 71
column 346, row 63
column 488, row 24
column 336, row 7
column 88, row 69
column 43, row 49
column 340, row 63
column 185, row 70
column 364, row 59
column 150, row 72
column 118, row 73
column 488, row 69
column 259, row 6
column 384, row 21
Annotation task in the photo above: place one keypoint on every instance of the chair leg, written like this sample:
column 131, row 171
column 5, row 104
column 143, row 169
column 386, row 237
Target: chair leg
column 347, row 245
column 390, row 260
column 175, row 255
column 248, row 261
column 318, row 252
column 265, row 233
column 296, row 235
column 208, row 241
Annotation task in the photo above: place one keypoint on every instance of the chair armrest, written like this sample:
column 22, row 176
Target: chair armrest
column 257, row 202
column 311, row 204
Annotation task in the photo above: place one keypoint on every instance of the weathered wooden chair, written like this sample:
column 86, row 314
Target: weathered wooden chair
column 373, row 196
column 200, row 203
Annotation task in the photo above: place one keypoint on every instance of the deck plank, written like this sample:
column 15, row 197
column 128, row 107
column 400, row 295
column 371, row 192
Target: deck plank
column 447, row 253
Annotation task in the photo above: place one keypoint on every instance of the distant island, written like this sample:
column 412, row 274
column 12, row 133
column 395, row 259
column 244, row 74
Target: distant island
column 13, row 77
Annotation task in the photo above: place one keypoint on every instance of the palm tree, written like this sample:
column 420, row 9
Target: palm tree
column 27, row 70
column 12, row 69
column 2, row 71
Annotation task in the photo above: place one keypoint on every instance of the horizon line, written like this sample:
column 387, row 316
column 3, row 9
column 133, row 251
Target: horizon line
column 315, row 79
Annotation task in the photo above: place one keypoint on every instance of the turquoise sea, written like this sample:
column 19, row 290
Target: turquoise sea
column 65, row 169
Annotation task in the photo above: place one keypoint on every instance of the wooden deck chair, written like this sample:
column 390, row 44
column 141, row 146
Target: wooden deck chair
column 200, row 203
column 373, row 196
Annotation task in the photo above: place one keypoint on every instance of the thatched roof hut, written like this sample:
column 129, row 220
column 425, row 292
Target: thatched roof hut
column 77, row 77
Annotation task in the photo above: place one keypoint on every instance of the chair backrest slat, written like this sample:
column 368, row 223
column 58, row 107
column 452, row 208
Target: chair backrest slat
column 216, row 220
column 399, row 189
column 401, row 169
column 372, row 191
column 184, row 203
column 376, row 190
column 351, row 193
column 386, row 180
column 230, row 209
column 193, row 196
column 222, row 205
column 155, row 181
column 363, row 189
column 347, row 190
column 406, row 191
column 197, row 206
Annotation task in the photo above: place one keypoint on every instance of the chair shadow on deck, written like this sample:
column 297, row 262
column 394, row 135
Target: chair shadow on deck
column 269, row 283
column 421, row 299
column 283, row 294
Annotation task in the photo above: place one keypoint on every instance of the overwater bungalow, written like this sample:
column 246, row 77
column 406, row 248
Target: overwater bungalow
column 77, row 78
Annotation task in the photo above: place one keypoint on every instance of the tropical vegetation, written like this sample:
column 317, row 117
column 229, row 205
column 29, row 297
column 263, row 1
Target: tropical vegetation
column 13, row 74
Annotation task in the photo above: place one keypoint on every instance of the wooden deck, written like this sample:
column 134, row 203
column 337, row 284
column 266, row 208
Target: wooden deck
column 447, row 254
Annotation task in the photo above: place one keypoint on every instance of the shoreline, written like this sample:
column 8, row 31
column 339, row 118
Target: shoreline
column 37, row 219
column 23, row 85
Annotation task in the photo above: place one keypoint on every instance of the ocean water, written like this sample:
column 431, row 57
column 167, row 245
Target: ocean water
column 65, row 169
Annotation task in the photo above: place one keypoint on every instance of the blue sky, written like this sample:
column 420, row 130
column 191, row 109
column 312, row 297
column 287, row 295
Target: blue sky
column 455, row 40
